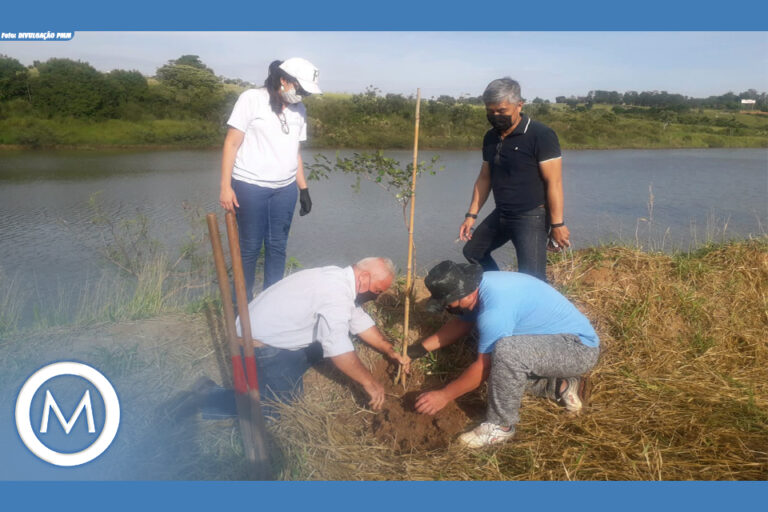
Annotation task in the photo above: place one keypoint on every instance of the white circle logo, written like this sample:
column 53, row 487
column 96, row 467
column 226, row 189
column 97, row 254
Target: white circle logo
column 111, row 406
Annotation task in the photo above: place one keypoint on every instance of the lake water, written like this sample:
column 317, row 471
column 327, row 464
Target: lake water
column 46, row 238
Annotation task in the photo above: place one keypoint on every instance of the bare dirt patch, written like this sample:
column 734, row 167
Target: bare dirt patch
column 399, row 425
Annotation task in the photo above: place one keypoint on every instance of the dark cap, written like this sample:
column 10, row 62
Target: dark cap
column 449, row 282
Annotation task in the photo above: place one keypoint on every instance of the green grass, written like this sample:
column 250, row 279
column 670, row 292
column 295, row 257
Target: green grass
column 32, row 132
column 112, row 298
column 342, row 121
column 12, row 299
column 141, row 279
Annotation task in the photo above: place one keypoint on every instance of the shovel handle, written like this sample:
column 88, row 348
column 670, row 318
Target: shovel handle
column 244, row 376
column 239, row 279
column 223, row 279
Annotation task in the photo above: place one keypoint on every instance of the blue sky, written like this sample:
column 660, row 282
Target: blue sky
column 547, row 64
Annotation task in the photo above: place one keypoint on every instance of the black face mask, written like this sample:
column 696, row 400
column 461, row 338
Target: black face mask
column 500, row 122
column 458, row 310
column 364, row 297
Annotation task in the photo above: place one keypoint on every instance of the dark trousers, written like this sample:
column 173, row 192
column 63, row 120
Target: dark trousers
column 280, row 374
column 528, row 232
column 264, row 219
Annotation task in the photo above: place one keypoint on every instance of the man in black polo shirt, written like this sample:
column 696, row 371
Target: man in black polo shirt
column 522, row 164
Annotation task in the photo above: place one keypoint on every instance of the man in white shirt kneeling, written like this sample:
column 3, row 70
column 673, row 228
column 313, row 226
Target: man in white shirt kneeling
column 302, row 319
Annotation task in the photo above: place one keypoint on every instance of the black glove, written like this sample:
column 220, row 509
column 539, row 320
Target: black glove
column 306, row 202
column 416, row 351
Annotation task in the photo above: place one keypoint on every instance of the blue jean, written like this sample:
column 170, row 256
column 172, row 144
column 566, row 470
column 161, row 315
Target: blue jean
column 264, row 219
column 528, row 233
column 280, row 374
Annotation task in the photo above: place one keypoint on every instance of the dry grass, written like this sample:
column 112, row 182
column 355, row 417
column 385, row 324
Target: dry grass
column 680, row 390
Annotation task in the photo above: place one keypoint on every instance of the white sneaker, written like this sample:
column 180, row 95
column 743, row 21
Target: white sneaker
column 571, row 397
column 485, row 434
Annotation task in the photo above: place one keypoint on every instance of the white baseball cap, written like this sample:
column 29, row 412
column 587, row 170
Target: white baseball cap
column 304, row 71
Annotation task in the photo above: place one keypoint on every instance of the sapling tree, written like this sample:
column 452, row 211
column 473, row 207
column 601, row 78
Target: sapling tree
column 397, row 180
column 384, row 171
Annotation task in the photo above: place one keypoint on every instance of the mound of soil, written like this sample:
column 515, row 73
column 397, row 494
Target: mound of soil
column 405, row 430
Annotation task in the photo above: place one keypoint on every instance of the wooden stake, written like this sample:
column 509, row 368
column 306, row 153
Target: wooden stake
column 409, row 268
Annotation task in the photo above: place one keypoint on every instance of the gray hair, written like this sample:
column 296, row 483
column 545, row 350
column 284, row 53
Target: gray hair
column 379, row 268
column 502, row 89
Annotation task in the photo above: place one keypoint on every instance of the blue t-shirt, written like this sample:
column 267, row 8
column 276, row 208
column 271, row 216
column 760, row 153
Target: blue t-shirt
column 510, row 304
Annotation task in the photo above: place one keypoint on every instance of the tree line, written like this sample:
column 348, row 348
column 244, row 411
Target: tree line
column 186, row 88
column 666, row 100
column 67, row 102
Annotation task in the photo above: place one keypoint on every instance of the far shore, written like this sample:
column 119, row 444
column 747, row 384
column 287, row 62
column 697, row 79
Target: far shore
column 183, row 147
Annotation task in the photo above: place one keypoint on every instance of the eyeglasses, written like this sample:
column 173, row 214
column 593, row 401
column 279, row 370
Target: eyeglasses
column 283, row 123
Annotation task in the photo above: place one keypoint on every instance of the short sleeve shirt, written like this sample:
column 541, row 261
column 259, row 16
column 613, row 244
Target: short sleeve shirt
column 511, row 303
column 268, row 156
column 514, row 163
column 316, row 304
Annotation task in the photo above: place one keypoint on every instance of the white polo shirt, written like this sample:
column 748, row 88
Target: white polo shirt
column 316, row 304
column 268, row 156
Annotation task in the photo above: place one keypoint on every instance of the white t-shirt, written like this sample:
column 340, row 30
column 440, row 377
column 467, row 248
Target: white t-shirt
column 316, row 304
column 268, row 156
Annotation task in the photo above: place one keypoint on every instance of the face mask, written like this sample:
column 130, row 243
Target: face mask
column 290, row 96
column 458, row 310
column 500, row 123
column 364, row 297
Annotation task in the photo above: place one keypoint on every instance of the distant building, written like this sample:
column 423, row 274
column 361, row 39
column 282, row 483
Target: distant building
column 748, row 104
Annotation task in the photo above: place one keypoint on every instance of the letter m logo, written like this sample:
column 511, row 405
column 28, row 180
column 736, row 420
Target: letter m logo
column 50, row 403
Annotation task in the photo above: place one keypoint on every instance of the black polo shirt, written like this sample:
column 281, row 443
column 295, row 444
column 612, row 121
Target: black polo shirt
column 515, row 178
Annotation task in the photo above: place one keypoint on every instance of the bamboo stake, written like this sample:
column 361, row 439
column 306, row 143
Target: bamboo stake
column 409, row 268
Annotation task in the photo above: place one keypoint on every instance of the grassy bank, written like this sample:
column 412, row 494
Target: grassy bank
column 26, row 132
column 374, row 122
column 62, row 102
column 604, row 128
column 341, row 122
column 679, row 392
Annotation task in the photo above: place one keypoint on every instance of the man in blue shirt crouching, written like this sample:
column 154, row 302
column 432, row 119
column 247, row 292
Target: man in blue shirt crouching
column 530, row 338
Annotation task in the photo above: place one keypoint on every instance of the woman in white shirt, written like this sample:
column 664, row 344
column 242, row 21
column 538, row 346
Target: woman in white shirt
column 261, row 168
